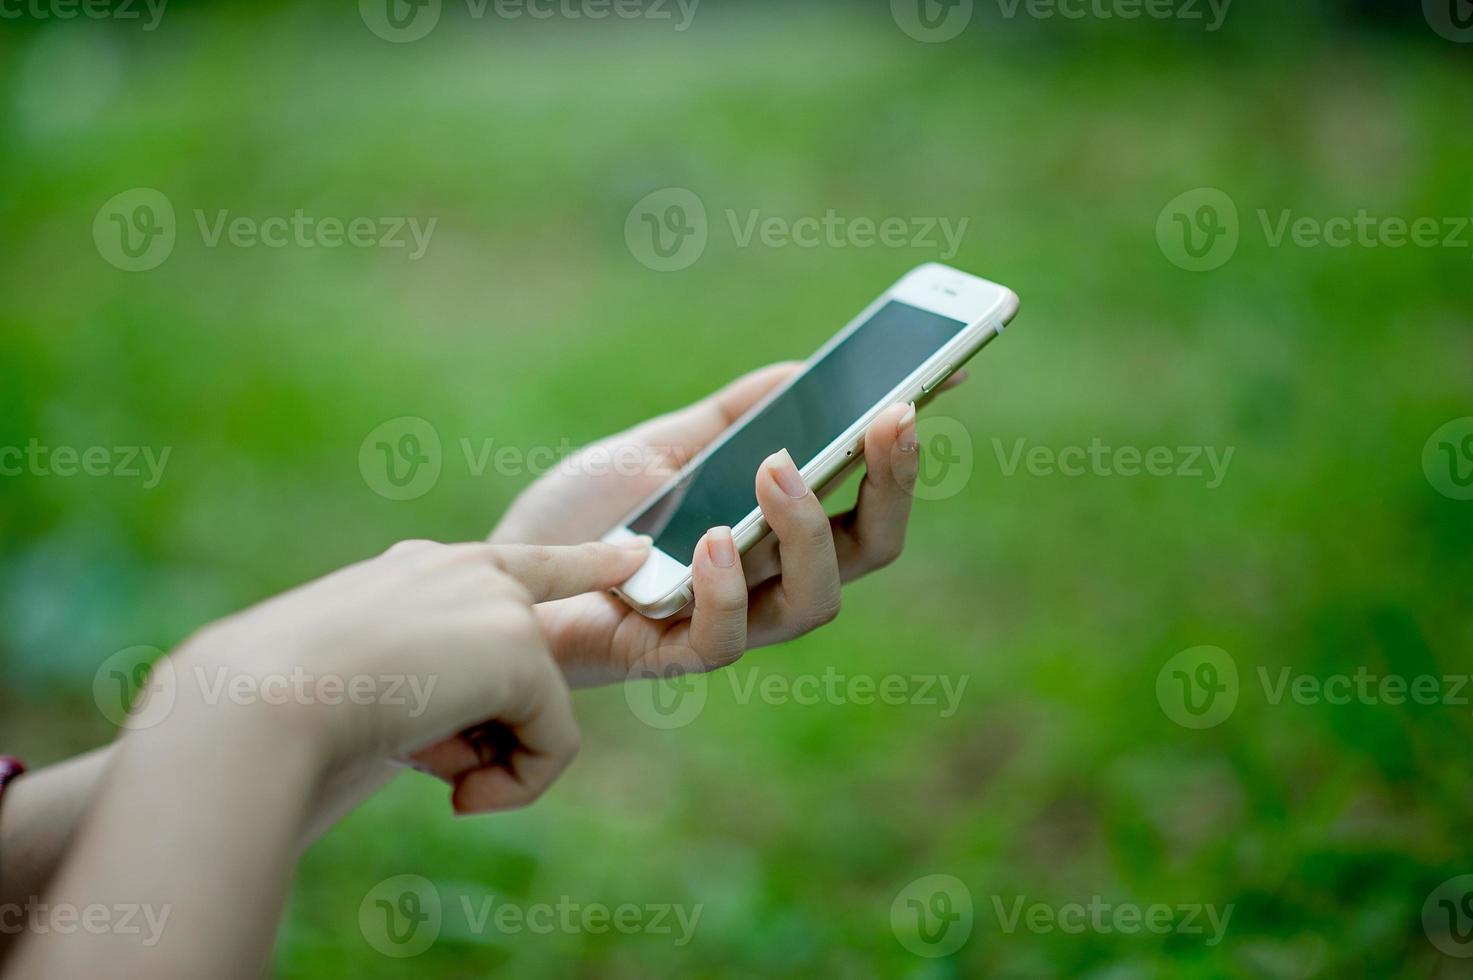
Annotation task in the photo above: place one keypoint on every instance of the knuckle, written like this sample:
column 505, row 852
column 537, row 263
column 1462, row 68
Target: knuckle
column 572, row 743
column 507, row 587
column 821, row 613
column 410, row 546
column 814, row 531
column 519, row 626
column 729, row 602
column 883, row 555
column 723, row 656
column 521, row 595
column 904, row 469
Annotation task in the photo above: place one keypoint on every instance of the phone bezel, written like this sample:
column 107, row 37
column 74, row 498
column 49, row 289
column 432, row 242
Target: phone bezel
column 662, row 587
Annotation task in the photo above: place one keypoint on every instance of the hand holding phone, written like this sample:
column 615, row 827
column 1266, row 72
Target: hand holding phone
column 902, row 347
column 768, row 595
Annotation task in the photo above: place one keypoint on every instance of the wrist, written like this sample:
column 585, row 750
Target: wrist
column 261, row 690
column 202, row 695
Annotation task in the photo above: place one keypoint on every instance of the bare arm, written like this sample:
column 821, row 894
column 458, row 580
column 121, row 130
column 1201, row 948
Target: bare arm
column 38, row 822
column 43, row 811
column 192, row 836
column 195, row 824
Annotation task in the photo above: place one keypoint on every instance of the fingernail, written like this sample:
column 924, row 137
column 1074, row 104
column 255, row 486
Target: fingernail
column 906, row 430
column 638, row 543
column 787, row 475
column 722, row 546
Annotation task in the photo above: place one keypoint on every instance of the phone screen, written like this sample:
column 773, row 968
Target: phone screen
column 880, row 354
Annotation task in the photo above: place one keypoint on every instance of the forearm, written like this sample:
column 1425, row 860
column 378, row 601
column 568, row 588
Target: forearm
column 38, row 822
column 195, row 826
column 42, row 811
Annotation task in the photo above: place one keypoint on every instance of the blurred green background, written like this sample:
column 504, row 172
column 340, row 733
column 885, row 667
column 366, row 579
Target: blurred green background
column 530, row 322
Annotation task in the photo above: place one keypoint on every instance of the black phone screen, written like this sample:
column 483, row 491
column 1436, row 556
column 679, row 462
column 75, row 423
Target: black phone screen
column 880, row 354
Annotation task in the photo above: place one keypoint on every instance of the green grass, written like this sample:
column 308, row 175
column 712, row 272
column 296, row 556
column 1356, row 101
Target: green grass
column 528, row 322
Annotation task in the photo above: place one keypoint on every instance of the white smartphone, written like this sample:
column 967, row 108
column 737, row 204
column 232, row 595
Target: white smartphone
column 899, row 349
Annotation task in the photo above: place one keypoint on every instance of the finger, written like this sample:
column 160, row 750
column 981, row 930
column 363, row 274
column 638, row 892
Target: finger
column 541, row 719
column 761, row 562
column 550, row 572
column 492, row 790
column 873, row 534
column 718, row 624
column 446, row 759
column 809, row 588
column 412, row 545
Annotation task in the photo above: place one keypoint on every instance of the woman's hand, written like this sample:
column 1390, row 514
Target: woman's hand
column 787, row 585
column 429, row 652
column 203, row 812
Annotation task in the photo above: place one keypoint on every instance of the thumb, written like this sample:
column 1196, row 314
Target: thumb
column 558, row 572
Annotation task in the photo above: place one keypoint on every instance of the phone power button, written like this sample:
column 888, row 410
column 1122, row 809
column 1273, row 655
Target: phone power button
column 930, row 383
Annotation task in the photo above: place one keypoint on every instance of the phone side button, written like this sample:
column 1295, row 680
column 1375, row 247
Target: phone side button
column 930, row 384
